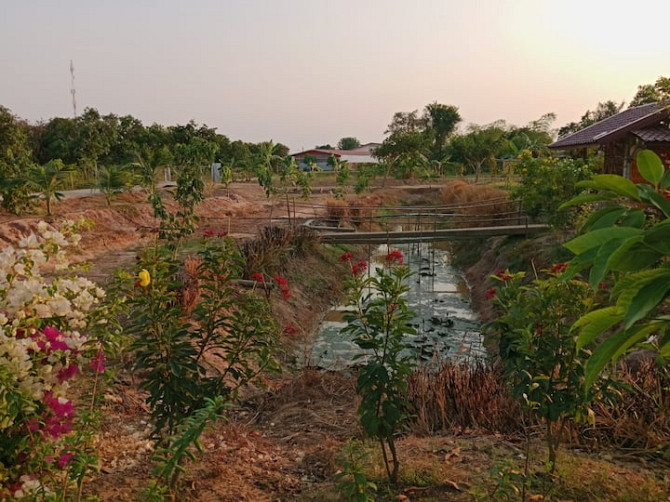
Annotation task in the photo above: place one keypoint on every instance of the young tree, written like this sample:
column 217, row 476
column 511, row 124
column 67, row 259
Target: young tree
column 441, row 121
column 14, row 162
column 48, row 180
column 479, row 146
column 114, row 180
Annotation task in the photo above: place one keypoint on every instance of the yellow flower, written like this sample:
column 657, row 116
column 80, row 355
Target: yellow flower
column 145, row 277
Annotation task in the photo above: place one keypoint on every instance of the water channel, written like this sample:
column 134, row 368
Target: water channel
column 445, row 323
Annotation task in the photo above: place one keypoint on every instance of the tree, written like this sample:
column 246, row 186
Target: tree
column 327, row 146
column 48, row 180
column 403, row 152
column 113, row 180
column 659, row 92
column 348, row 143
column 440, row 123
column 602, row 111
column 479, row 146
column 15, row 157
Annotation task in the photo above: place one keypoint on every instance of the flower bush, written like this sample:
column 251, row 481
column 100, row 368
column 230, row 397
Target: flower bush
column 49, row 333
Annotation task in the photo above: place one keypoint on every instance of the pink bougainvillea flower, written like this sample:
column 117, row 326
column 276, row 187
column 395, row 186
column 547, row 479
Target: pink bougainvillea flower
column 348, row 256
column 98, row 362
column 490, row 293
column 258, row 276
column 290, row 329
column 395, row 258
column 64, row 459
column 67, row 373
column 55, row 338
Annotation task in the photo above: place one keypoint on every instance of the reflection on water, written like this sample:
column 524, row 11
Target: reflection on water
column 445, row 323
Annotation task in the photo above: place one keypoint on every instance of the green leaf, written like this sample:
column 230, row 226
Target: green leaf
column 612, row 183
column 599, row 237
column 635, row 218
column 595, row 323
column 600, row 262
column 648, row 194
column 658, row 237
column 585, row 198
column 604, row 217
column 646, row 299
column 665, row 182
column 613, row 347
column 650, row 166
column 579, row 263
column 632, row 255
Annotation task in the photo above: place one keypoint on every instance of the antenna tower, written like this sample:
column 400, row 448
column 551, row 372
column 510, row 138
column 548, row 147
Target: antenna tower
column 72, row 89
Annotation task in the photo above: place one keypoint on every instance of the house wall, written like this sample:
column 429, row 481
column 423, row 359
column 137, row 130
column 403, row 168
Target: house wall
column 614, row 158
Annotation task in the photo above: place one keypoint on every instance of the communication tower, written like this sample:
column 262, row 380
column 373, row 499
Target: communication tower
column 72, row 89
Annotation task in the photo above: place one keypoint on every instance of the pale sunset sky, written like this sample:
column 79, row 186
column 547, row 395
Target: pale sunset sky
column 307, row 72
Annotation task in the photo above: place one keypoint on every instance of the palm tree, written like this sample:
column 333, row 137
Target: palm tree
column 48, row 180
column 113, row 180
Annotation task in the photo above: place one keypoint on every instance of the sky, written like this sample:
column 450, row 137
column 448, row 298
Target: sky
column 308, row 72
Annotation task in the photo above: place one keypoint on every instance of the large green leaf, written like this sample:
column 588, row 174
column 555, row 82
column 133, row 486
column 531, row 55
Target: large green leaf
column 646, row 299
column 599, row 237
column 595, row 323
column 585, row 198
column 632, row 255
column 579, row 263
column 658, row 237
column 651, row 196
column 633, row 218
column 650, row 166
column 665, row 182
column 612, row 183
column 604, row 217
column 601, row 261
column 613, row 347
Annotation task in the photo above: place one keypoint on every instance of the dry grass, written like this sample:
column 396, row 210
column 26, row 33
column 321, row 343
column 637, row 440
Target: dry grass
column 480, row 206
column 337, row 212
column 460, row 395
column 639, row 420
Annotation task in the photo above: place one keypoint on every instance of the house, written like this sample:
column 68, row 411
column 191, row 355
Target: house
column 361, row 155
column 622, row 135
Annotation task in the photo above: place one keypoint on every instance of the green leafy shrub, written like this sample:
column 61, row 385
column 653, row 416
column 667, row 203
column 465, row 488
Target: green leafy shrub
column 545, row 183
column 378, row 319
column 542, row 362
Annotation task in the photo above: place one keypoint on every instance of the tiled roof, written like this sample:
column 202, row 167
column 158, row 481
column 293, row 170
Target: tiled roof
column 654, row 134
column 613, row 127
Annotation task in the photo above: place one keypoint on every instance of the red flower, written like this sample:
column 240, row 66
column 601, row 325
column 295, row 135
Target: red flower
column 280, row 280
column 362, row 266
column 208, row 233
column 222, row 233
column 290, row 329
column 348, row 256
column 503, row 275
column 258, row 276
column 558, row 268
column 285, row 293
column 395, row 258
column 538, row 328
column 490, row 293
column 602, row 285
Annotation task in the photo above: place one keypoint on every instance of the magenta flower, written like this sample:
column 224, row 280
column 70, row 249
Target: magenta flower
column 98, row 362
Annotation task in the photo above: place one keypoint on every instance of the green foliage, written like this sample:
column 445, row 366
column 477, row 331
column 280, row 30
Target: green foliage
column 177, row 448
column 48, row 180
column 14, row 161
column 626, row 242
column 542, row 361
column 479, row 146
column 545, row 184
column 342, row 179
column 348, row 143
column 172, row 348
column 114, row 180
column 378, row 318
column 352, row 483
